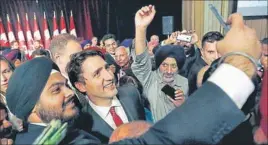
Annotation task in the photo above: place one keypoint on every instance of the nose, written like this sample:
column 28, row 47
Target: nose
column 169, row 69
column 68, row 92
column 3, row 78
column 108, row 75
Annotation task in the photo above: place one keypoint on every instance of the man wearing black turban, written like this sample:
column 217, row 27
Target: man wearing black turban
column 169, row 59
column 38, row 93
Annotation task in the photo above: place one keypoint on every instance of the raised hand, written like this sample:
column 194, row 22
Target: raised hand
column 144, row 16
column 240, row 38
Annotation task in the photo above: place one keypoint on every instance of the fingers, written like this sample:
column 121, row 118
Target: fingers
column 236, row 20
column 5, row 141
column 147, row 10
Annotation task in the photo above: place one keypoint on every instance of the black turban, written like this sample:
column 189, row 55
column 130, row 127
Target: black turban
column 26, row 85
column 174, row 51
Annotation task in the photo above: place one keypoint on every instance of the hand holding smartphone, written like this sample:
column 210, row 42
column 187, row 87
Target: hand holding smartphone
column 170, row 91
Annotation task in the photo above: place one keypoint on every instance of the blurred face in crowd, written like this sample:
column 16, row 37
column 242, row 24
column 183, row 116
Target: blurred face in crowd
column 63, row 58
column 15, row 45
column 121, row 56
column 5, row 126
column 169, row 69
column 154, row 38
column 209, row 52
column 86, row 46
column 110, row 45
column 265, row 49
column 37, row 45
column 94, row 41
column 6, row 73
column 56, row 100
column 98, row 82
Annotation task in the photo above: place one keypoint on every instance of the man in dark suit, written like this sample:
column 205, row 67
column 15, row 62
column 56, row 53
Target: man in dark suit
column 107, row 107
column 205, row 118
column 208, row 55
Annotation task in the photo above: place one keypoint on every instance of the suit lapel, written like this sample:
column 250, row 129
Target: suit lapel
column 126, row 107
column 97, row 119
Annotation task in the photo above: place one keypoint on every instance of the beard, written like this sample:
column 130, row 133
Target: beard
column 48, row 113
column 168, row 77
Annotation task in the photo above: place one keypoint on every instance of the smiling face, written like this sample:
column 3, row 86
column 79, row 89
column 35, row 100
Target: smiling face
column 6, row 73
column 56, row 100
column 98, row 79
column 110, row 45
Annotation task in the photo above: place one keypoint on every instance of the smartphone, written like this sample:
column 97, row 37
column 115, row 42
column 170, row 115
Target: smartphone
column 185, row 38
column 219, row 17
column 168, row 90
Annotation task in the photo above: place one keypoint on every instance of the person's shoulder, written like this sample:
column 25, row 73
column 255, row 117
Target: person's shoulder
column 181, row 78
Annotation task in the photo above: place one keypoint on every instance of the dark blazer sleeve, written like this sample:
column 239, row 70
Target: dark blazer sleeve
column 130, row 99
column 205, row 118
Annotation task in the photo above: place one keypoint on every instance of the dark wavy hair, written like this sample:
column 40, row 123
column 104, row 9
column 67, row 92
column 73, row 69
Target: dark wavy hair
column 74, row 67
column 211, row 37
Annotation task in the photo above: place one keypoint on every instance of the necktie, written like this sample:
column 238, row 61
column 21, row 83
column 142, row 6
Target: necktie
column 117, row 120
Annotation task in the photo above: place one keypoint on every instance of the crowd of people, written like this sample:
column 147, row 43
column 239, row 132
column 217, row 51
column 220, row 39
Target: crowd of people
column 217, row 92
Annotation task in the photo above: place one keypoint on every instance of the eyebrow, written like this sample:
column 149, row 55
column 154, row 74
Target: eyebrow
column 58, row 83
column 98, row 70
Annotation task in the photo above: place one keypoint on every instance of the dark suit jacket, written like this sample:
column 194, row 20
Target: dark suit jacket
column 73, row 137
column 205, row 118
column 91, row 122
column 192, row 74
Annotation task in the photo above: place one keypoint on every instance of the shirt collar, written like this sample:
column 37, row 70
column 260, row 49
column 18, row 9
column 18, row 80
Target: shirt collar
column 104, row 111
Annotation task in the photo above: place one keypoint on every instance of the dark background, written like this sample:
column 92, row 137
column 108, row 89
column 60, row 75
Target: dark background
column 107, row 16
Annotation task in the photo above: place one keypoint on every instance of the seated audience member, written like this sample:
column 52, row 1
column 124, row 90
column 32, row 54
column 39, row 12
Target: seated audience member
column 201, row 120
column 169, row 59
column 94, row 42
column 208, row 55
column 6, row 135
column 40, row 53
column 108, row 107
column 86, row 44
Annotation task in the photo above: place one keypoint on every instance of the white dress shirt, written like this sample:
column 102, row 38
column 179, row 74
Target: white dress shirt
column 234, row 82
column 104, row 112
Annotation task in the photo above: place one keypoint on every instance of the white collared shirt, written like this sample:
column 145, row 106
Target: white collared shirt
column 104, row 112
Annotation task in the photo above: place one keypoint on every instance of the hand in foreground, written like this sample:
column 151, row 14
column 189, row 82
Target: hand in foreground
column 179, row 98
column 6, row 141
column 240, row 38
column 144, row 16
